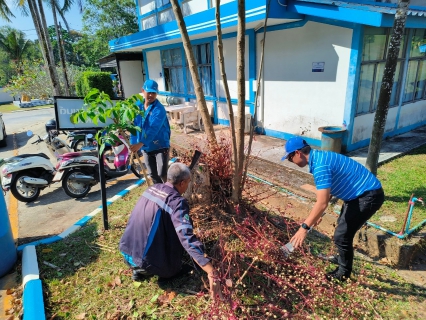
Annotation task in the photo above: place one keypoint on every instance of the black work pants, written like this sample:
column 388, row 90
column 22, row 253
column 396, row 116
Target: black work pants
column 352, row 217
column 156, row 163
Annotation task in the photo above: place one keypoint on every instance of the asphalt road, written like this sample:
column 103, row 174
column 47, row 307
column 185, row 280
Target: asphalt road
column 53, row 211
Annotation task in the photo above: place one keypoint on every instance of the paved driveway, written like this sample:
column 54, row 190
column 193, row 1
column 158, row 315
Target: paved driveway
column 53, row 211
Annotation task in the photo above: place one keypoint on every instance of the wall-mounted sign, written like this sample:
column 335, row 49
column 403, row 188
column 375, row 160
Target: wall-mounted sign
column 65, row 107
column 318, row 66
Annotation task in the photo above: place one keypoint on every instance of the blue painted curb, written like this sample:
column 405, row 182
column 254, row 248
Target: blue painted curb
column 33, row 301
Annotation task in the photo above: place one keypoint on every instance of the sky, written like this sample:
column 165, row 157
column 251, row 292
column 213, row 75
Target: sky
column 27, row 26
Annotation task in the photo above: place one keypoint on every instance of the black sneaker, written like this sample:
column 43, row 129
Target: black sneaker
column 183, row 271
column 140, row 275
column 337, row 275
column 331, row 258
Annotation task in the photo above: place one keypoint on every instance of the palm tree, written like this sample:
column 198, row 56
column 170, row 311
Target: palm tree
column 5, row 12
column 54, row 5
column 37, row 13
column 13, row 42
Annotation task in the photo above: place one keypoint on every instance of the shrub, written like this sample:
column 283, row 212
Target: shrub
column 94, row 80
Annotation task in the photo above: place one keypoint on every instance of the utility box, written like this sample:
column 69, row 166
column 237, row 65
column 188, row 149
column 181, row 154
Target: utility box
column 7, row 244
column 247, row 120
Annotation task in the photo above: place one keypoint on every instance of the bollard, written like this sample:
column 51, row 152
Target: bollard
column 7, row 244
column 331, row 138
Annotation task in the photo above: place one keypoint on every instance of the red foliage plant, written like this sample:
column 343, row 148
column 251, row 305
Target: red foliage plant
column 258, row 280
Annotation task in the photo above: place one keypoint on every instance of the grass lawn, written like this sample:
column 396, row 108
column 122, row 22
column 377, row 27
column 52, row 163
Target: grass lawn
column 6, row 108
column 400, row 178
column 90, row 280
column 84, row 276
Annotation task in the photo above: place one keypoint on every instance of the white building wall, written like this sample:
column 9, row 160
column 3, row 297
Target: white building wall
column 5, row 97
column 230, row 53
column 155, row 71
column 363, row 124
column 131, row 77
column 297, row 100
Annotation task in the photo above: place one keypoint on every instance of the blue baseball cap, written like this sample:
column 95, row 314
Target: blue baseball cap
column 150, row 86
column 293, row 144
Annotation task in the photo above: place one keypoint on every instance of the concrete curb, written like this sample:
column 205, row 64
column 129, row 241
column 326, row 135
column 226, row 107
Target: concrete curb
column 33, row 304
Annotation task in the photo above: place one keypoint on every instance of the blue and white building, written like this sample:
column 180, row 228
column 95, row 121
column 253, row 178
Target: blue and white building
column 323, row 62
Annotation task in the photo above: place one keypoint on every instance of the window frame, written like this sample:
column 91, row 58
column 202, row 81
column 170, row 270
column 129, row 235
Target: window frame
column 402, row 60
column 419, row 60
column 183, row 69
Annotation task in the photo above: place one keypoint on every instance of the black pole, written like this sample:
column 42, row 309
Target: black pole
column 103, row 189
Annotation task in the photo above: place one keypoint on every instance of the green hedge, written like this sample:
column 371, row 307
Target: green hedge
column 92, row 79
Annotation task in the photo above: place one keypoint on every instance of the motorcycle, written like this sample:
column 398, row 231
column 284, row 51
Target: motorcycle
column 80, row 173
column 80, row 140
column 27, row 174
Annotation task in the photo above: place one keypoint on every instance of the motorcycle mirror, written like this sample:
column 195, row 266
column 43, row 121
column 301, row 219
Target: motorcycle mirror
column 90, row 136
column 29, row 133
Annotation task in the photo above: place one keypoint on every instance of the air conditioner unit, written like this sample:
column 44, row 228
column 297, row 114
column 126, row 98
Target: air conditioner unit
column 247, row 120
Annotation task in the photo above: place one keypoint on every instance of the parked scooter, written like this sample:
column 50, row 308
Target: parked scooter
column 79, row 140
column 27, row 174
column 82, row 140
column 80, row 173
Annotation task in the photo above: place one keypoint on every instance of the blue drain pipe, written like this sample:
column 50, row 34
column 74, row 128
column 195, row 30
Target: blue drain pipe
column 400, row 236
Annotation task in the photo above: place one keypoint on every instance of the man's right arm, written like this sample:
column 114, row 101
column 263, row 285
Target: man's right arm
column 194, row 247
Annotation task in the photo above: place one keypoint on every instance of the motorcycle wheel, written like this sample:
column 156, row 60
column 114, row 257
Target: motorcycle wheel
column 22, row 191
column 73, row 188
column 78, row 145
column 137, row 169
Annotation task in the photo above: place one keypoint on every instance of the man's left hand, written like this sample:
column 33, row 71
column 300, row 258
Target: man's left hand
column 299, row 237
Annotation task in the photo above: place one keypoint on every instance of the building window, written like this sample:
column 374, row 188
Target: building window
column 149, row 22
column 415, row 84
column 374, row 56
column 173, row 67
column 202, row 54
column 166, row 16
column 173, row 70
column 161, row 3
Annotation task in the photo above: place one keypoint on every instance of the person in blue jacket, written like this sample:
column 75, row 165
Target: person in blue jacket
column 339, row 176
column 154, row 139
column 160, row 230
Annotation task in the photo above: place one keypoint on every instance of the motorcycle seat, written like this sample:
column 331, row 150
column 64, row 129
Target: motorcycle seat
column 32, row 155
column 72, row 154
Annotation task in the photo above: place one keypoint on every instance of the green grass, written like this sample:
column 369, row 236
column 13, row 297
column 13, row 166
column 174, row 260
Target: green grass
column 90, row 280
column 400, row 178
column 6, row 108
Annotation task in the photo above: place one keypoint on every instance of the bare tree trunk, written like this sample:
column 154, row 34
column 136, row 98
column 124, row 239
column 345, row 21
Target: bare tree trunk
column 241, row 79
column 201, row 101
column 61, row 50
column 386, row 87
column 225, row 83
column 52, row 66
column 44, row 48
column 259, row 76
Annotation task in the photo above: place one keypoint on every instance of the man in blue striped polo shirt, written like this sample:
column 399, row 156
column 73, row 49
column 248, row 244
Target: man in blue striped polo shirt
column 339, row 176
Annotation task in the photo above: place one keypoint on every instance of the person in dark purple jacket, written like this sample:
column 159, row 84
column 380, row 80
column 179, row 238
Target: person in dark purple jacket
column 160, row 229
